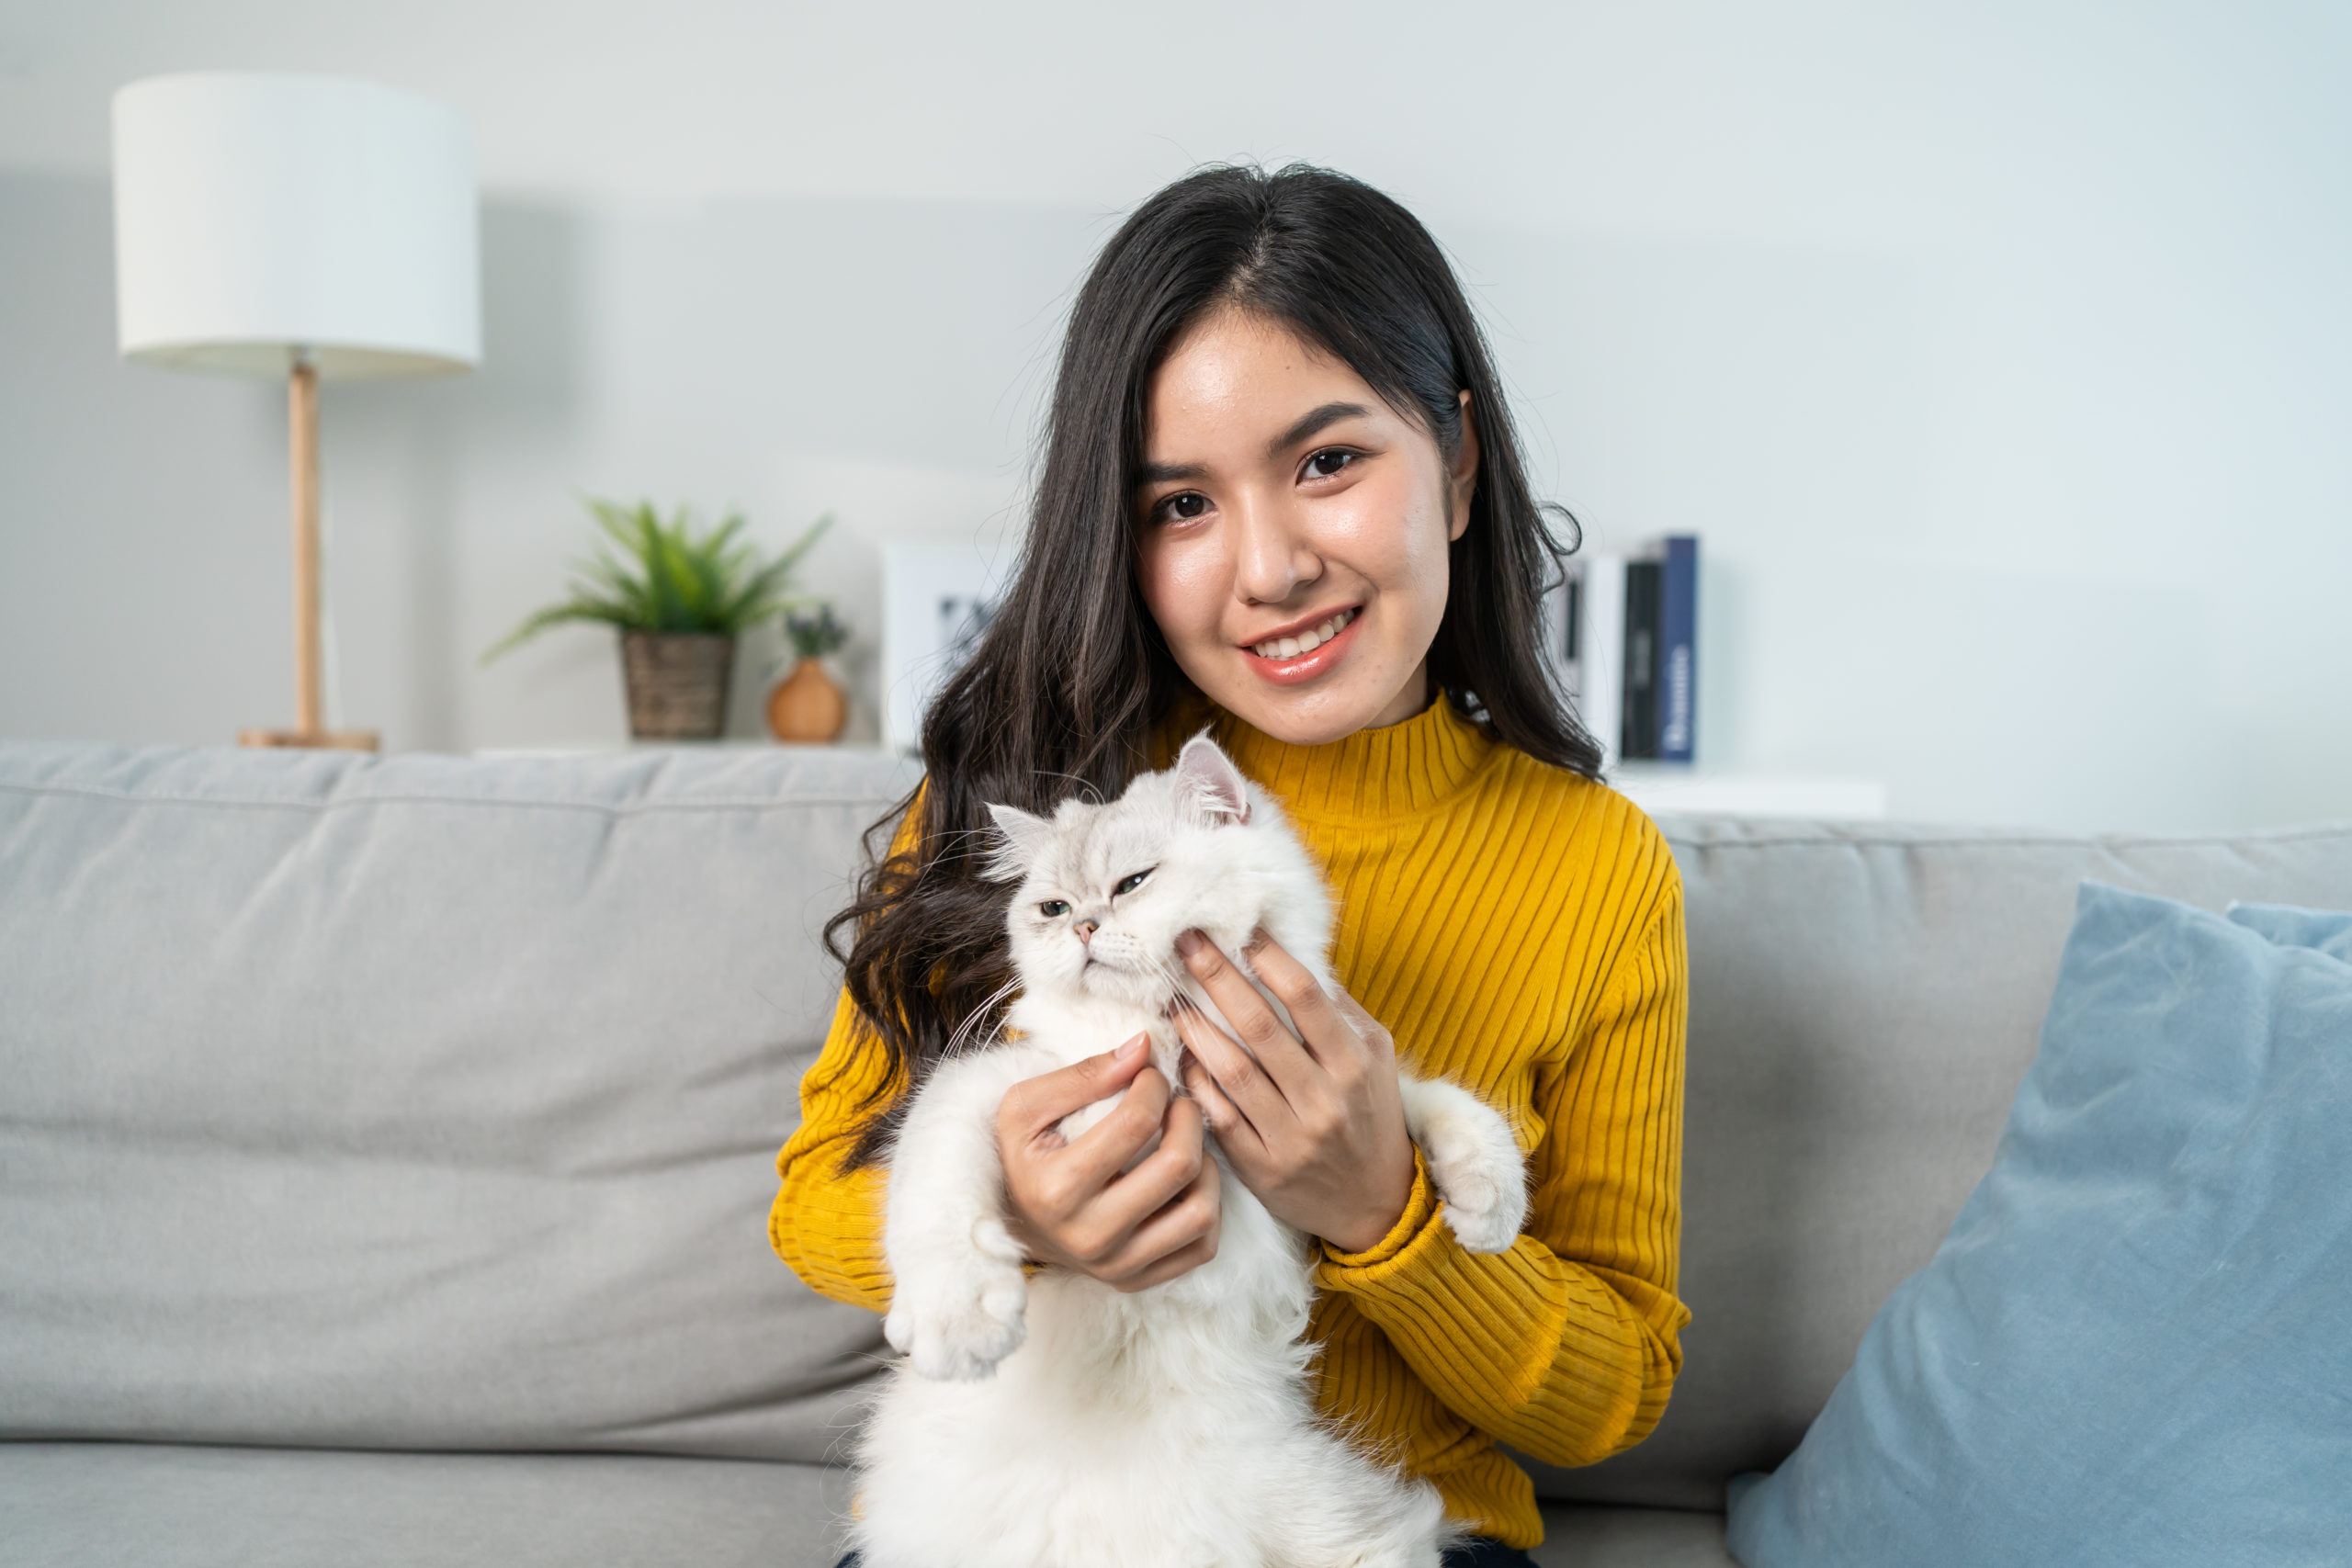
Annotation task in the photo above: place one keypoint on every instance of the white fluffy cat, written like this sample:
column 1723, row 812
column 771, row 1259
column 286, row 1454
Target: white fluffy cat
column 1054, row 1422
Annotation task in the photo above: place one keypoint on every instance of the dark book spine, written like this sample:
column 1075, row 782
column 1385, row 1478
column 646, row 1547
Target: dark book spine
column 1677, row 681
column 1640, row 736
column 1572, row 620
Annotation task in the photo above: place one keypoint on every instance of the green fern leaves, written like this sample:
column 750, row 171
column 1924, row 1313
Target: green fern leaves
column 652, row 576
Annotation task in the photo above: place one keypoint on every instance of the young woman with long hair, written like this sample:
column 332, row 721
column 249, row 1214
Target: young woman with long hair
column 1282, row 496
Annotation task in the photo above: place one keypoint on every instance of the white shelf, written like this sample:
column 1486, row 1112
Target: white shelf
column 1662, row 789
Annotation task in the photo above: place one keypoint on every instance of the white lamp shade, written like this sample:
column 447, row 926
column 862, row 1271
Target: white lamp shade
column 257, row 215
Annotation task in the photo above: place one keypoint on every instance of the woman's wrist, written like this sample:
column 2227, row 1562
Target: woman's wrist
column 1385, row 1206
column 1420, row 1208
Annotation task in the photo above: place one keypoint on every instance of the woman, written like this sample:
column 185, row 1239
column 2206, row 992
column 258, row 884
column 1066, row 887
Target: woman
column 1282, row 496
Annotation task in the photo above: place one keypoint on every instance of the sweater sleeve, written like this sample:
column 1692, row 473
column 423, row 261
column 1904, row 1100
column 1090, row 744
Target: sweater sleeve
column 826, row 1221
column 1566, row 1346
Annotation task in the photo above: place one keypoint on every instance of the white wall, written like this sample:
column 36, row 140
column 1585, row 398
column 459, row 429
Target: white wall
column 2002, row 360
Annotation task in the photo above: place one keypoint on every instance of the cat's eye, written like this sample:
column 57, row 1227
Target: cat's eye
column 1130, row 884
column 1054, row 909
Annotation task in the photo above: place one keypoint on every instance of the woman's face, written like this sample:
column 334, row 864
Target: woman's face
column 1292, row 531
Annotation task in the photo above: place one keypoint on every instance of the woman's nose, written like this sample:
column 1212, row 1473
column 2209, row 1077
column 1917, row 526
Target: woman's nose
column 1086, row 930
column 1274, row 559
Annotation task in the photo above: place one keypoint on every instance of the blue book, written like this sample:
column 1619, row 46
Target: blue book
column 1676, row 683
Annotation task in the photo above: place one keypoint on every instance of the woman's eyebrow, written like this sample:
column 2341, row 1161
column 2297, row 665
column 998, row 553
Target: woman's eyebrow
column 1314, row 421
column 1303, row 429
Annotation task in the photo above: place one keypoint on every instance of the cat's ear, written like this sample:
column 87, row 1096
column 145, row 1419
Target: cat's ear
column 1020, row 837
column 1208, row 774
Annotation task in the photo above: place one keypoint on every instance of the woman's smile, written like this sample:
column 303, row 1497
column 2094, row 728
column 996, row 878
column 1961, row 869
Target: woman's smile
column 1295, row 654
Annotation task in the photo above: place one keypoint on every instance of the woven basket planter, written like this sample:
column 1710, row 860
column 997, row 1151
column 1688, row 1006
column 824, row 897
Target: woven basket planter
column 677, row 683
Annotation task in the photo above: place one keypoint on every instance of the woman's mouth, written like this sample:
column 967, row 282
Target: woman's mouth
column 1304, row 654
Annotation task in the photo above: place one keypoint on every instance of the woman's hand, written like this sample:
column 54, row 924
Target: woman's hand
column 1075, row 1203
column 1314, row 1126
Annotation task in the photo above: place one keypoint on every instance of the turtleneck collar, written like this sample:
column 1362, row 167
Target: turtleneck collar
column 1394, row 771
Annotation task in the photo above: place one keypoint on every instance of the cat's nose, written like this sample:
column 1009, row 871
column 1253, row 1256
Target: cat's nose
column 1086, row 930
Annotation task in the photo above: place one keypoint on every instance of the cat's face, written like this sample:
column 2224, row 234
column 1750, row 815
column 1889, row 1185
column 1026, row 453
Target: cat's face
column 1105, row 890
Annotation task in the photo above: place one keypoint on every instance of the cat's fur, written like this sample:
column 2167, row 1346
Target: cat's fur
column 1054, row 1422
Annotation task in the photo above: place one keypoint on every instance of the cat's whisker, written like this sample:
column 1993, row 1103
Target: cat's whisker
column 1179, row 1001
column 1175, row 977
column 956, row 1042
column 1088, row 785
column 983, row 1010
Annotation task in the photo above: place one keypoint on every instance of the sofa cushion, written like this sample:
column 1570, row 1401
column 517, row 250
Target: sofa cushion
column 1863, row 1002
column 416, row 1101
column 2134, row 1347
column 1599, row 1535
column 168, row 1505
column 161, row 1506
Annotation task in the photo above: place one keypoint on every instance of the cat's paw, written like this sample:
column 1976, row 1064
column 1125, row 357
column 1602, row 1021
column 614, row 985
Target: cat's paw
column 1486, row 1228
column 955, row 1323
column 1477, row 1168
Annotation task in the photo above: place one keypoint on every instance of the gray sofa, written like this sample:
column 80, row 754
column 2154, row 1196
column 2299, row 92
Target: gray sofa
column 385, row 1145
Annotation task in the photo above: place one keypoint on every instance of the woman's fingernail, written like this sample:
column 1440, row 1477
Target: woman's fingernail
column 1188, row 943
column 1133, row 1048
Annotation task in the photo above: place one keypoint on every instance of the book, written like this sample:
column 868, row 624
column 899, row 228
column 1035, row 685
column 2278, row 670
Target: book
column 1591, row 626
column 1676, row 676
column 1637, row 739
column 1623, row 631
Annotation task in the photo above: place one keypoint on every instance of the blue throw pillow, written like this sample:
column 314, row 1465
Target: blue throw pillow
column 2326, row 929
column 2135, row 1346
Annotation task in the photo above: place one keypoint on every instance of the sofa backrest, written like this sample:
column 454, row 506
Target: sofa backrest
column 431, row 1103
column 1863, row 1002
column 416, row 1101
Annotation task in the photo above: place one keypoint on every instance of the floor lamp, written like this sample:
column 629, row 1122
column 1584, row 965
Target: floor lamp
column 314, row 228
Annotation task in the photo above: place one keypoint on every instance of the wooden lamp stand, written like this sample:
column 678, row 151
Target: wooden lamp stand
column 310, row 718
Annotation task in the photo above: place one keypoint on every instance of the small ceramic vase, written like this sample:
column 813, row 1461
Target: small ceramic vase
column 807, row 704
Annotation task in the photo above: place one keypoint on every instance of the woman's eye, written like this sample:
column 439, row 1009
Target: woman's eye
column 1130, row 884
column 1323, row 465
column 1053, row 908
column 1183, row 507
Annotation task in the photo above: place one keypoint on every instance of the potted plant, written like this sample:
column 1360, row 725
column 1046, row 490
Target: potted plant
column 679, row 597
column 807, row 704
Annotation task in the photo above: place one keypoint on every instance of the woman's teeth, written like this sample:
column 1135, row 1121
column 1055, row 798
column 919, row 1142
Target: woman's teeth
column 1307, row 642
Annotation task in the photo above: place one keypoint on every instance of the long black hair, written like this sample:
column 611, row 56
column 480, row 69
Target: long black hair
column 1069, row 682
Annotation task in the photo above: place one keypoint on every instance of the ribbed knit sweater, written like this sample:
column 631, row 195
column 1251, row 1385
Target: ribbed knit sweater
column 1518, row 930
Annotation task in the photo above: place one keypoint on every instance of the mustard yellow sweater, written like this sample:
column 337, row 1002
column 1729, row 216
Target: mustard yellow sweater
column 1519, row 930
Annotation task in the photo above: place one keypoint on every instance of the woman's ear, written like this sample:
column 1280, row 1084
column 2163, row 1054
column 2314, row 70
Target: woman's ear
column 1465, row 471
